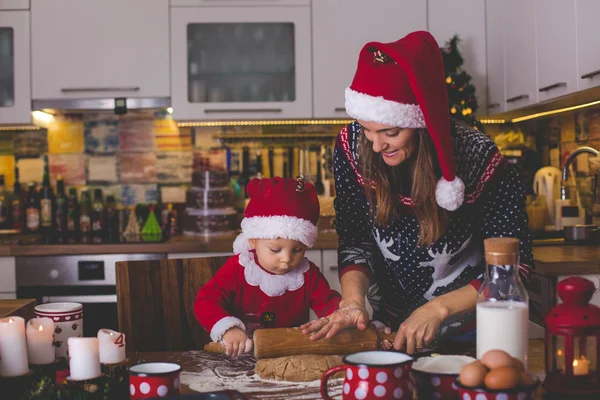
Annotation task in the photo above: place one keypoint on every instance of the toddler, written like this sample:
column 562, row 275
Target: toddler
column 268, row 283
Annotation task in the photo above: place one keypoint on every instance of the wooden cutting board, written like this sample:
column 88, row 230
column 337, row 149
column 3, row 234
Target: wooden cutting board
column 19, row 307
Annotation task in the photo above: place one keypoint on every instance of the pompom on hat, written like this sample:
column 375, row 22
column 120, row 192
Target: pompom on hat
column 403, row 84
column 279, row 208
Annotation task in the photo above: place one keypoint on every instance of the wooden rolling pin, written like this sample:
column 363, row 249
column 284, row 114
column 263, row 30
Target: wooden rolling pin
column 280, row 342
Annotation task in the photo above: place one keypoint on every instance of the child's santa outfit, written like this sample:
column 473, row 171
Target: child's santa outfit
column 242, row 294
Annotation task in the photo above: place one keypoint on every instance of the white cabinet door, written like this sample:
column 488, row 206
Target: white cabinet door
column 14, row 4
column 330, row 269
column 15, row 77
column 521, row 70
column 465, row 18
column 233, row 3
column 556, row 48
column 496, row 79
column 100, row 49
column 340, row 29
column 241, row 62
column 588, row 43
column 8, row 280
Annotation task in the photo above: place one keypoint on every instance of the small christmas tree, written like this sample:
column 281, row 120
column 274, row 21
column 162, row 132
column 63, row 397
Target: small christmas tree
column 461, row 92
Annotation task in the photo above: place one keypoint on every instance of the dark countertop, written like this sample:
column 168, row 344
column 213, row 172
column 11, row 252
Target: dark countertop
column 551, row 259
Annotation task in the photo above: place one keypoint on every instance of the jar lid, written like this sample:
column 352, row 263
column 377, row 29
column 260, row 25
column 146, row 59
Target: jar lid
column 501, row 251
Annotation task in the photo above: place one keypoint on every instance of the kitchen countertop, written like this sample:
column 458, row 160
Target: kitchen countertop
column 551, row 260
column 20, row 307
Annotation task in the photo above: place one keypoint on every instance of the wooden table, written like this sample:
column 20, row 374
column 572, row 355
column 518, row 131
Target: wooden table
column 19, row 307
column 210, row 372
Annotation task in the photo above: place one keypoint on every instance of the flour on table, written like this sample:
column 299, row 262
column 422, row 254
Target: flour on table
column 220, row 372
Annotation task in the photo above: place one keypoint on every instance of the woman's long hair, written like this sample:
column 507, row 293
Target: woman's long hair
column 389, row 182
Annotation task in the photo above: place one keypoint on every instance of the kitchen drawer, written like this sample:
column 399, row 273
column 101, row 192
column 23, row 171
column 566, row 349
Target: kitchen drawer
column 8, row 279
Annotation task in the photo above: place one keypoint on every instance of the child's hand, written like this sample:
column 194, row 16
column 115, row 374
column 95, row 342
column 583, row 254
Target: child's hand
column 236, row 342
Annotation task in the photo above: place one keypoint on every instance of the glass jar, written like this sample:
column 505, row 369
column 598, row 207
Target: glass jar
column 502, row 302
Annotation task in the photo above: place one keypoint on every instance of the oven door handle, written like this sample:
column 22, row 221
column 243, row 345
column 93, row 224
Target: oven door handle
column 101, row 298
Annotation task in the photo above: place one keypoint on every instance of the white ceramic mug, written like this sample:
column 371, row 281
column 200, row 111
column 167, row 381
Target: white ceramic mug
column 68, row 322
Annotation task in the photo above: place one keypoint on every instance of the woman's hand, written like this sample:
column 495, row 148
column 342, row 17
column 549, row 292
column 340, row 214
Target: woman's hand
column 419, row 329
column 349, row 314
column 236, row 342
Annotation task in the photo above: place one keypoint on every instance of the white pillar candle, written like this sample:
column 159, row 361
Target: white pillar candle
column 84, row 360
column 112, row 346
column 40, row 334
column 13, row 347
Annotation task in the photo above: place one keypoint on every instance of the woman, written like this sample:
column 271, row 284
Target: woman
column 416, row 197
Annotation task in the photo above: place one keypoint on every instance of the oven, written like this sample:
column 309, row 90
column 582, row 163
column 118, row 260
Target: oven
column 89, row 280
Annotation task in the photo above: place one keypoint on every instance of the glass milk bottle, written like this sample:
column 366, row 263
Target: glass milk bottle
column 502, row 302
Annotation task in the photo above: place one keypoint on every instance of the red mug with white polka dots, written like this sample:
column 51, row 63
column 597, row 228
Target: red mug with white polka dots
column 156, row 379
column 373, row 375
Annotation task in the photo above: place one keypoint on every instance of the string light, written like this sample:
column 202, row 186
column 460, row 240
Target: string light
column 265, row 122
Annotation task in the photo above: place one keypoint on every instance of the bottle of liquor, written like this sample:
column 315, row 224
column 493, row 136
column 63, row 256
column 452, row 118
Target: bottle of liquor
column 112, row 220
column 85, row 218
column 62, row 209
column 47, row 207
column 4, row 205
column 73, row 216
column 98, row 217
column 17, row 205
column 32, row 210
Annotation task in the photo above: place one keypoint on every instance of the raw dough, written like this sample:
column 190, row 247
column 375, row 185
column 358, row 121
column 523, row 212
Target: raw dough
column 302, row 368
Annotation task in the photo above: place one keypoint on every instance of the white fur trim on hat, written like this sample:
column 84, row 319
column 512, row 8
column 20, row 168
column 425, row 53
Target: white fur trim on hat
column 280, row 226
column 450, row 194
column 382, row 111
column 223, row 325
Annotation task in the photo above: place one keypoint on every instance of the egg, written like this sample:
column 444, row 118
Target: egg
column 496, row 359
column 502, row 378
column 518, row 364
column 526, row 380
column 473, row 374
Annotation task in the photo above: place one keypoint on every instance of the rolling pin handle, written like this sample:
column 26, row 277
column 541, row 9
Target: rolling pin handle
column 326, row 377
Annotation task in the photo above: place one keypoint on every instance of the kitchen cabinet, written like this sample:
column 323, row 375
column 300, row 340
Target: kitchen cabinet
column 588, row 43
column 556, row 49
column 340, row 29
column 8, row 279
column 241, row 62
column 465, row 18
column 520, row 53
column 235, row 3
column 15, row 84
column 14, row 4
column 100, row 49
column 496, row 79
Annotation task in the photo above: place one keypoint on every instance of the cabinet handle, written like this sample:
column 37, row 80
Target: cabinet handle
column 102, row 89
column 242, row 110
column 590, row 74
column 493, row 105
column 333, row 267
column 340, row 109
column 553, row 86
column 517, row 98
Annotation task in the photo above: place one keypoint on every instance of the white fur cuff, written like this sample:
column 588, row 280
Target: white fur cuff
column 281, row 226
column 450, row 194
column 223, row 325
column 388, row 112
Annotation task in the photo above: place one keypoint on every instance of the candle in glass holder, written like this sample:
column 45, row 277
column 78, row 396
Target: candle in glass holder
column 112, row 346
column 40, row 335
column 84, row 360
column 13, row 347
column 581, row 366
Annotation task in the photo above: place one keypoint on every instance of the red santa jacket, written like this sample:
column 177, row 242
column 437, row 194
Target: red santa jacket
column 243, row 294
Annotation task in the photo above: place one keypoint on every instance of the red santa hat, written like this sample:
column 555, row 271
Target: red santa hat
column 279, row 208
column 403, row 84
